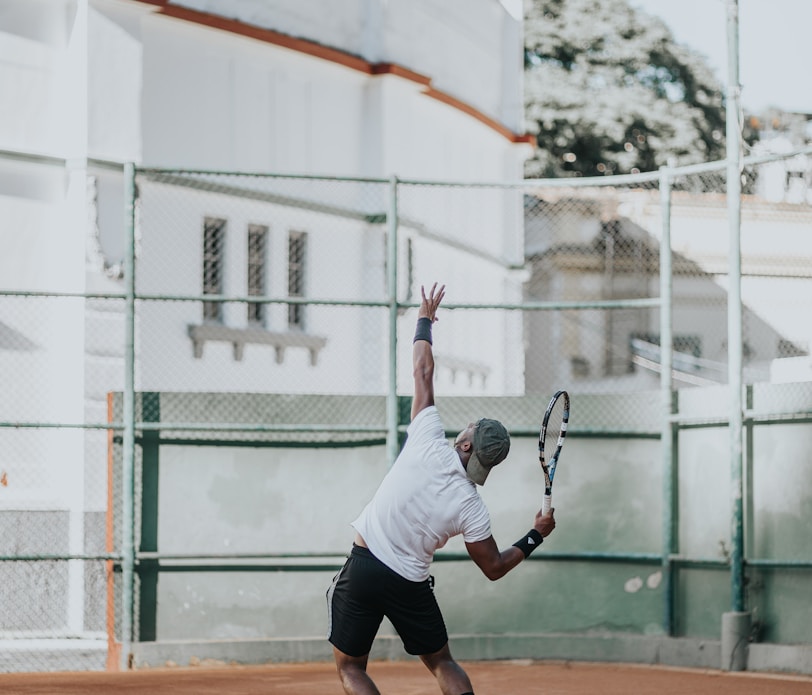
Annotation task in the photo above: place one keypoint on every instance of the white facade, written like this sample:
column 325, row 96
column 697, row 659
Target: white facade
column 378, row 88
column 383, row 88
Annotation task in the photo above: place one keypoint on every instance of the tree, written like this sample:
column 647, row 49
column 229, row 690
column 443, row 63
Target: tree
column 609, row 91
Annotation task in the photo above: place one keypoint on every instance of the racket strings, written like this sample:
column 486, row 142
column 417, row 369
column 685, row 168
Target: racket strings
column 546, row 470
column 555, row 429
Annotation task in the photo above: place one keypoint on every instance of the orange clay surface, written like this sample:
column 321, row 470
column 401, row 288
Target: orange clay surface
column 410, row 678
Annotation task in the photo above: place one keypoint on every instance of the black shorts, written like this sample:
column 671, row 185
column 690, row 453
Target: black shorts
column 366, row 590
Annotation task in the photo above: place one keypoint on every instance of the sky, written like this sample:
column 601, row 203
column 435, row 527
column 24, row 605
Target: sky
column 774, row 52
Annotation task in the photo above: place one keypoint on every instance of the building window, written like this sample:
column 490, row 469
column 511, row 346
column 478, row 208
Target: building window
column 409, row 269
column 297, row 249
column 214, row 236
column 257, row 244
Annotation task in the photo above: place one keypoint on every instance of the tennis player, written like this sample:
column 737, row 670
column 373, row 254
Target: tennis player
column 428, row 496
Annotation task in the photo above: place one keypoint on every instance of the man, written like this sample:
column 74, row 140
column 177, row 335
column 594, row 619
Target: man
column 428, row 496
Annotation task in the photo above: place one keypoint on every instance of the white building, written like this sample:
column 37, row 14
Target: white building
column 365, row 88
column 582, row 245
column 413, row 89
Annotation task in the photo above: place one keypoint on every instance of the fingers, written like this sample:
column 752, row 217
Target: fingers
column 432, row 301
column 434, row 293
column 439, row 299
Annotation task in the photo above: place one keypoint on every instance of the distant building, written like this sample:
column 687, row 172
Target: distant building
column 581, row 247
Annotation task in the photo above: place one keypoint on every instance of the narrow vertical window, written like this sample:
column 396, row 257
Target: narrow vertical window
column 214, row 234
column 257, row 244
column 409, row 268
column 297, row 248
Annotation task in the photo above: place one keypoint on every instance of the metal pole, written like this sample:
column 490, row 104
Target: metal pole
column 392, row 417
column 667, row 402
column 736, row 623
column 734, row 323
column 128, row 448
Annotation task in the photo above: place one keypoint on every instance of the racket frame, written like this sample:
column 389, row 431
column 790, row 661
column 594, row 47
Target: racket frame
column 549, row 468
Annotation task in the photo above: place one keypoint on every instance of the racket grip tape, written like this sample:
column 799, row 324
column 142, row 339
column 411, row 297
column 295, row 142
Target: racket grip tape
column 546, row 503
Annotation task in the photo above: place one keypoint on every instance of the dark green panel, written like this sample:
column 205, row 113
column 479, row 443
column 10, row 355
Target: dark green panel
column 541, row 597
column 148, row 569
column 702, row 596
column 780, row 601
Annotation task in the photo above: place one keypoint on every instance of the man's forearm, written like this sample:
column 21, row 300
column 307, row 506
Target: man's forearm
column 423, row 369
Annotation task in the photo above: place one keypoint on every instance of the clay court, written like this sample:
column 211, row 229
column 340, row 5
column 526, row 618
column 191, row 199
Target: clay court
column 410, row 678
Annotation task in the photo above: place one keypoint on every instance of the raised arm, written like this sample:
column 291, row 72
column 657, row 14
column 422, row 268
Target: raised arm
column 422, row 356
column 494, row 563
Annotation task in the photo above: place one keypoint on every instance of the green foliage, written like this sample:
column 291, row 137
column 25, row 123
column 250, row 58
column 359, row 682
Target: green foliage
column 609, row 91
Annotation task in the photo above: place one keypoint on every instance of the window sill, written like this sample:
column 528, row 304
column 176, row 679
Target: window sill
column 469, row 370
column 239, row 337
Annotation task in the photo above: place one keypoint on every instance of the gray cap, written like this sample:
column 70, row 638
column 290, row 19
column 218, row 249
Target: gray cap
column 491, row 446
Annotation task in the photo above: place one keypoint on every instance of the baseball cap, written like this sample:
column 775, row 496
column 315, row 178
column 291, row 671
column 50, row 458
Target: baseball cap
column 490, row 447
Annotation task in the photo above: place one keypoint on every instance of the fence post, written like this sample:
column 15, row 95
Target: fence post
column 736, row 660
column 392, row 410
column 667, row 402
column 128, row 448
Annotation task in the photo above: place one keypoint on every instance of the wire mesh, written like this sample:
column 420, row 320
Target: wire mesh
column 292, row 272
column 263, row 314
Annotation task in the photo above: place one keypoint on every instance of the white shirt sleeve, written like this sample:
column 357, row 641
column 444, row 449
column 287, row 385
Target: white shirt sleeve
column 476, row 522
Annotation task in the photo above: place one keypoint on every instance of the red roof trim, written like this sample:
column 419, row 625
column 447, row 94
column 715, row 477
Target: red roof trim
column 333, row 55
column 475, row 113
column 400, row 71
column 276, row 38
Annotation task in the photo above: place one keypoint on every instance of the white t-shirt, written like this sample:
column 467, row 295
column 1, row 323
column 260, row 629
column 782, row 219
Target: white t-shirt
column 425, row 499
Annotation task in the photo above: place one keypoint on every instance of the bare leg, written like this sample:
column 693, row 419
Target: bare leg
column 352, row 670
column 449, row 674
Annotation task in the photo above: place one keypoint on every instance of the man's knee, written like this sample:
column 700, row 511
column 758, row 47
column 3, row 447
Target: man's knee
column 347, row 663
column 352, row 670
column 437, row 659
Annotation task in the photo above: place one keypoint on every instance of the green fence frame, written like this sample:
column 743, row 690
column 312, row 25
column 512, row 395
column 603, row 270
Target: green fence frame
column 146, row 560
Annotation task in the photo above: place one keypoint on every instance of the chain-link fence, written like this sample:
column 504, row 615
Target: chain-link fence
column 235, row 310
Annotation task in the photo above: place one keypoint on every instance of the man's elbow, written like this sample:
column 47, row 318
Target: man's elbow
column 494, row 573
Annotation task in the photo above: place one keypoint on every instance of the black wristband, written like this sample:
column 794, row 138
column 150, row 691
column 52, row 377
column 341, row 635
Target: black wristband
column 423, row 330
column 532, row 540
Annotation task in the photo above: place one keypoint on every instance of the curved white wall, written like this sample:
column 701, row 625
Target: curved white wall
column 471, row 49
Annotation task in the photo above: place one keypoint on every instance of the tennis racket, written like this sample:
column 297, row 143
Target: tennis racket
column 551, row 440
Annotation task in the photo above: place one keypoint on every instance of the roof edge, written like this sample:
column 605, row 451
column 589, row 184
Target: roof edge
column 333, row 55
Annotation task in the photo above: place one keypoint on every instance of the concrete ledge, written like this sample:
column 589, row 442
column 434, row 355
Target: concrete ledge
column 654, row 650
column 641, row 649
column 638, row 649
column 46, row 655
column 191, row 653
column 239, row 337
column 787, row 658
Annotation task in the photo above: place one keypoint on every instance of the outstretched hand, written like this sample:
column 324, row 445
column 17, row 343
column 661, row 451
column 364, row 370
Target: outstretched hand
column 429, row 305
column 545, row 523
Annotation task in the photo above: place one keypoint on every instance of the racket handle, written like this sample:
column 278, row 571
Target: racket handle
column 546, row 503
